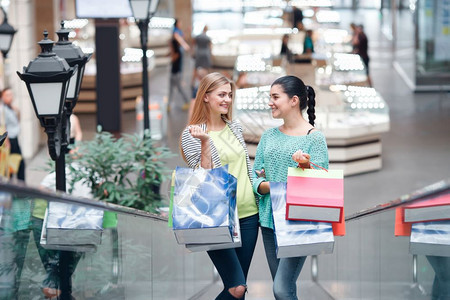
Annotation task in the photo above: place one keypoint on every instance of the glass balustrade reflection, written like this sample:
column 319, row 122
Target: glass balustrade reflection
column 380, row 258
column 115, row 256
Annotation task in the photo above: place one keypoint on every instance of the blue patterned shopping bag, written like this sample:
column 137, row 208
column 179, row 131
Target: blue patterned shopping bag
column 430, row 238
column 204, row 202
column 297, row 238
column 72, row 227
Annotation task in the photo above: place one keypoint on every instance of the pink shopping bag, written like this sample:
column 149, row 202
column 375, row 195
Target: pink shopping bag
column 315, row 195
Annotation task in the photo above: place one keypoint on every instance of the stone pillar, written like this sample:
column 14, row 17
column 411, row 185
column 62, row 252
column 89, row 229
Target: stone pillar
column 183, row 12
column 68, row 9
column 46, row 14
column 23, row 49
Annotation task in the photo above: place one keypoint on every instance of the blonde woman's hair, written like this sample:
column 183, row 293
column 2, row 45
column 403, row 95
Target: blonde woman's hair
column 201, row 111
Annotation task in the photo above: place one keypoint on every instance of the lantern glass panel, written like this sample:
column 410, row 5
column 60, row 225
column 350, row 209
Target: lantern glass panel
column 153, row 6
column 47, row 97
column 72, row 85
column 5, row 41
column 79, row 80
column 140, row 9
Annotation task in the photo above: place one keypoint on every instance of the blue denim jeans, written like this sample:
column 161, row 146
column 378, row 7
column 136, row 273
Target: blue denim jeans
column 59, row 265
column 284, row 271
column 233, row 264
column 441, row 283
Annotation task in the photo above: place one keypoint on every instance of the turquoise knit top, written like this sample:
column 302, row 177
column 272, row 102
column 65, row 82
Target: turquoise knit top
column 274, row 155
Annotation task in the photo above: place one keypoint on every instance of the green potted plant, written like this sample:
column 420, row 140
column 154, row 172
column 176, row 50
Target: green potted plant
column 126, row 171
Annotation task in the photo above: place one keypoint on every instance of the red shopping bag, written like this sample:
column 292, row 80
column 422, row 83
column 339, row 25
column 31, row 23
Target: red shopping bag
column 432, row 208
column 401, row 228
column 339, row 228
column 315, row 195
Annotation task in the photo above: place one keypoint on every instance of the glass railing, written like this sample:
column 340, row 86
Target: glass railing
column 136, row 255
column 121, row 253
column 378, row 259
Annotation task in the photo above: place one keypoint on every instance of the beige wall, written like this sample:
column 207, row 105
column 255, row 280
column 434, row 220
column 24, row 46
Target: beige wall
column 183, row 12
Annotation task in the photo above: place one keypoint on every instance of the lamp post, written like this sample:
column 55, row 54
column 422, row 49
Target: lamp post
column 7, row 33
column 53, row 83
column 143, row 11
column 47, row 79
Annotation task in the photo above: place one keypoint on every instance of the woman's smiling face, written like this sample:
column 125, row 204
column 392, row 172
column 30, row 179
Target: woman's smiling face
column 220, row 99
column 280, row 103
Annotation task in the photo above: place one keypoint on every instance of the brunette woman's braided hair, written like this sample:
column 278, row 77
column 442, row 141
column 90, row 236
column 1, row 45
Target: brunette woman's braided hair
column 311, row 104
column 294, row 86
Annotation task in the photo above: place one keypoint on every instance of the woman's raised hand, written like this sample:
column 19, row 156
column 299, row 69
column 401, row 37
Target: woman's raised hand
column 198, row 133
column 301, row 157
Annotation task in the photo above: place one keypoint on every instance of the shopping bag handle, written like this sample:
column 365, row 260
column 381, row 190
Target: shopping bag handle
column 317, row 166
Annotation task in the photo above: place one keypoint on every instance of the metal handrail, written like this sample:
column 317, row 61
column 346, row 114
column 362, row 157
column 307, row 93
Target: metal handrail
column 20, row 188
column 421, row 194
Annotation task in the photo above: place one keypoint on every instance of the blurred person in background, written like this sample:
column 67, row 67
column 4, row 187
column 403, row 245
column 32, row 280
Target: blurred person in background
column 15, row 213
column 178, row 35
column 285, row 52
column 59, row 265
column 202, row 54
column 11, row 116
column 354, row 29
column 360, row 46
column 76, row 134
column 308, row 45
column 176, row 74
column 297, row 18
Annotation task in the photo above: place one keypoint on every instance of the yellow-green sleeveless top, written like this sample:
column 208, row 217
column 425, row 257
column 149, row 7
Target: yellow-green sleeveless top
column 232, row 153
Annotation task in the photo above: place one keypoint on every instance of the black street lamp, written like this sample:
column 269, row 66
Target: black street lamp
column 143, row 11
column 7, row 33
column 47, row 79
column 74, row 56
column 53, row 81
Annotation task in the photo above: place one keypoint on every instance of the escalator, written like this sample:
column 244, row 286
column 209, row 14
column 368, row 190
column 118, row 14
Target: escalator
column 138, row 257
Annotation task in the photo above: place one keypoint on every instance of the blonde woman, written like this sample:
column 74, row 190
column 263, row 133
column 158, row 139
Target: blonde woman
column 212, row 139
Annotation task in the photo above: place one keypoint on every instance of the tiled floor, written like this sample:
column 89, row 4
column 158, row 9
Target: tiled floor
column 416, row 150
